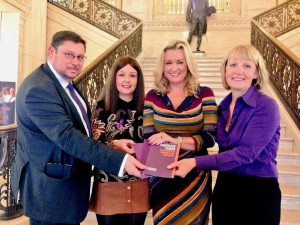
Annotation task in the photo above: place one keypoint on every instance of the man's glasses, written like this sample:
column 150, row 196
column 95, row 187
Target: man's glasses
column 71, row 56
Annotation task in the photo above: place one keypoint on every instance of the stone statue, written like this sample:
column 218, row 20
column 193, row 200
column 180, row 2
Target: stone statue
column 196, row 16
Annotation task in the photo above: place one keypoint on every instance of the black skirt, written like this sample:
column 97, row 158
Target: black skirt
column 247, row 200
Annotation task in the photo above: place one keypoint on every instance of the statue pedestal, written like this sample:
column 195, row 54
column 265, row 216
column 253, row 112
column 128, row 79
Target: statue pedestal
column 199, row 53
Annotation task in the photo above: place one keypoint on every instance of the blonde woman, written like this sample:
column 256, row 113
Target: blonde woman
column 247, row 190
column 181, row 111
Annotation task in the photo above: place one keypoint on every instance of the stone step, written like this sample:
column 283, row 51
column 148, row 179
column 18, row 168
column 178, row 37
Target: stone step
column 286, row 143
column 199, row 60
column 205, row 81
column 290, row 199
column 204, row 75
column 202, row 66
column 149, row 79
column 213, row 85
column 289, row 175
column 283, row 130
column 288, row 158
column 205, row 69
column 290, row 217
column 210, row 79
column 209, row 68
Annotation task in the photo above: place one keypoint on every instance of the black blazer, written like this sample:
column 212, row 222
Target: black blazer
column 54, row 156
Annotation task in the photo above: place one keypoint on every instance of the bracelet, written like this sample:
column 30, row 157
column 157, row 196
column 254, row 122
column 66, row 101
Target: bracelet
column 180, row 140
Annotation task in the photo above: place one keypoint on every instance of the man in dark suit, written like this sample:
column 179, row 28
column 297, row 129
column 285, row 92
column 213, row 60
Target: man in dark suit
column 196, row 17
column 51, row 171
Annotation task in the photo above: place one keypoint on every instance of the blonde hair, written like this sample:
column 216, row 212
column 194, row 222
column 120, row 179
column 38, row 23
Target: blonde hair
column 247, row 52
column 192, row 77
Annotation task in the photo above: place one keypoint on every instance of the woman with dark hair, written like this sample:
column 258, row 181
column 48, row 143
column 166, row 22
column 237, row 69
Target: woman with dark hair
column 117, row 121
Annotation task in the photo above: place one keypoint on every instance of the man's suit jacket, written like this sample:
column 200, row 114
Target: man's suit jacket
column 54, row 156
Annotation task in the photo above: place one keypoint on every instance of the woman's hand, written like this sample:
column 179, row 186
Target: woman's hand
column 157, row 139
column 183, row 167
column 124, row 145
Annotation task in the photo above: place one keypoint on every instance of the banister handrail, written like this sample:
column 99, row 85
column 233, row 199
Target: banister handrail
column 90, row 15
column 8, row 127
column 278, row 43
column 106, row 53
column 283, row 65
column 280, row 19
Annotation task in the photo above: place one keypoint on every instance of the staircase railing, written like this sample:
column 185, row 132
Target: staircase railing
column 10, row 207
column 282, row 64
column 113, row 21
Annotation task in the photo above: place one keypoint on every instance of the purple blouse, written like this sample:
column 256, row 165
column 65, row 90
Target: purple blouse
column 250, row 146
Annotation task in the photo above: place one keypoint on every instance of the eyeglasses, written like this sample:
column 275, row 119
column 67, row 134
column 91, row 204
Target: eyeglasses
column 71, row 56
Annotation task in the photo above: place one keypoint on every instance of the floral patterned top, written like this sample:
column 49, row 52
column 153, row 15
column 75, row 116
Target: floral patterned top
column 125, row 123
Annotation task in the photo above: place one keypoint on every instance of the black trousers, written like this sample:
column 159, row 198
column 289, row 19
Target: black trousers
column 122, row 219
column 38, row 222
column 246, row 200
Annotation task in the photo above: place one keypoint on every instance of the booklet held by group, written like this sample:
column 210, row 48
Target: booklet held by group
column 157, row 158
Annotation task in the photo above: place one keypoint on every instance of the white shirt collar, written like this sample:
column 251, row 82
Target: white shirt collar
column 61, row 80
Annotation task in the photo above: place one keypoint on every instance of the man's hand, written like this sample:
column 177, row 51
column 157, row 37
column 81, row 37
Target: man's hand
column 133, row 167
column 183, row 167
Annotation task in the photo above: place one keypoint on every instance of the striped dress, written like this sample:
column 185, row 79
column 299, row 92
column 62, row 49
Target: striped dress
column 182, row 200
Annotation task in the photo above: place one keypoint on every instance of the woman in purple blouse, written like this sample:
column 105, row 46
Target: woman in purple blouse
column 248, row 130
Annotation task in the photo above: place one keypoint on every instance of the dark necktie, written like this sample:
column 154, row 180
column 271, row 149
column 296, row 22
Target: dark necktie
column 78, row 102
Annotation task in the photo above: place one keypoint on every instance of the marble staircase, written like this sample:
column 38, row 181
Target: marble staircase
column 288, row 159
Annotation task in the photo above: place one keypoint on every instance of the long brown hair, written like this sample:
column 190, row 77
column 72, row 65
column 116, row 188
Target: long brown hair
column 110, row 93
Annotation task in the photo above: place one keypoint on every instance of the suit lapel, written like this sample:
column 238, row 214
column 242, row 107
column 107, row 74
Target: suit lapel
column 65, row 97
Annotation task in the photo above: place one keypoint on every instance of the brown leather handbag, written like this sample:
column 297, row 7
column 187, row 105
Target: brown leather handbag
column 115, row 197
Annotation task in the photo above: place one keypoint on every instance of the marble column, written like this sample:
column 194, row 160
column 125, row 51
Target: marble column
column 34, row 36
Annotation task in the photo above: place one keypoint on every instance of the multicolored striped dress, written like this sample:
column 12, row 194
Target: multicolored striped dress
column 182, row 200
